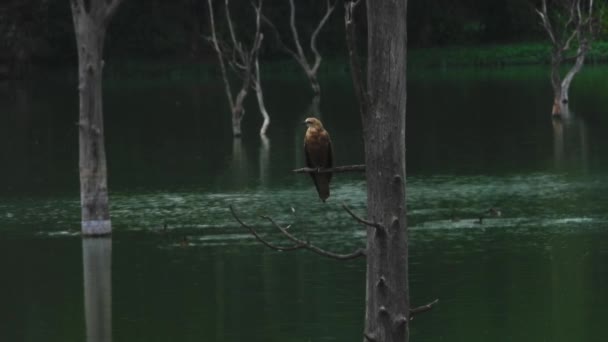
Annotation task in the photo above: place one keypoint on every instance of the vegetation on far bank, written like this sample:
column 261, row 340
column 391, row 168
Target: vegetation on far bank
column 490, row 56
column 495, row 55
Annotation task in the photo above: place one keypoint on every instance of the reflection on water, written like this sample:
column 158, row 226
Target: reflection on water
column 97, row 272
column 570, row 143
column 536, row 273
column 264, row 160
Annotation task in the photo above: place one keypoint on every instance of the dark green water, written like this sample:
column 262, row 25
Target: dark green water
column 476, row 139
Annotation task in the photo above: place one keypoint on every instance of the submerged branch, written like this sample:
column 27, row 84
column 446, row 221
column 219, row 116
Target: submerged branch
column 337, row 169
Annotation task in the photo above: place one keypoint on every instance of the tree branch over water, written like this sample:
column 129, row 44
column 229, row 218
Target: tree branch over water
column 262, row 240
column 362, row 220
column 299, row 243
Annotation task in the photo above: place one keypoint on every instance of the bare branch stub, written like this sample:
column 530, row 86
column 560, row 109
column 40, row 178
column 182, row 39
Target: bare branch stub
column 111, row 9
column 423, row 308
column 262, row 240
column 370, row 337
column 313, row 248
column 361, row 220
column 337, row 169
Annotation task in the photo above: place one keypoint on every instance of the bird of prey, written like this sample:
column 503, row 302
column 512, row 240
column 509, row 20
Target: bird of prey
column 319, row 155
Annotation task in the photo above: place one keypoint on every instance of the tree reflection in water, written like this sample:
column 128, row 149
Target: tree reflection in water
column 97, row 271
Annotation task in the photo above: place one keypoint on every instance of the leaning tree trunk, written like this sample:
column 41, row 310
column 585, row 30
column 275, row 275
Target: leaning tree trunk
column 90, row 22
column 387, row 304
column 561, row 87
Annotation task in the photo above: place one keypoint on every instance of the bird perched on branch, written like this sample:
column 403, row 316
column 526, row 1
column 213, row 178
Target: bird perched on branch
column 319, row 155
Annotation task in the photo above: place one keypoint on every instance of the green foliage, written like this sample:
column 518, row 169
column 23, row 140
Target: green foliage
column 440, row 33
column 495, row 55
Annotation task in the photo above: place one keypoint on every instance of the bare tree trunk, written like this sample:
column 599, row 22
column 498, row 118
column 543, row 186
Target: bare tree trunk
column 242, row 62
column 90, row 23
column 561, row 87
column 387, row 304
column 556, row 82
column 310, row 69
column 257, row 84
column 580, row 26
column 238, row 111
column 92, row 156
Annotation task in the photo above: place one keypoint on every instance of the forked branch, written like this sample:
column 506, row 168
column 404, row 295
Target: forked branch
column 358, row 253
column 298, row 243
column 299, row 55
column 579, row 24
column 262, row 240
column 241, row 58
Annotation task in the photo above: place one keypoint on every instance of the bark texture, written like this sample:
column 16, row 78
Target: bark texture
column 387, row 303
column 90, row 23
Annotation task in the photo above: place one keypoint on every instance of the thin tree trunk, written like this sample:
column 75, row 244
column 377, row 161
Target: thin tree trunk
column 92, row 157
column 561, row 87
column 90, row 22
column 578, row 65
column 260, row 96
column 242, row 62
column 237, row 118
column 314, row 83
column 556, row 83
column 387, row 304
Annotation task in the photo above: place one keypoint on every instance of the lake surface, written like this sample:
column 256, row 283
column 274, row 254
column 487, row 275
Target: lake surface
column 475, row 139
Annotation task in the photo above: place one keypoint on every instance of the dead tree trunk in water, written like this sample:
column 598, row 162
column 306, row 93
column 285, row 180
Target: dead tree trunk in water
column 242, row 62
column 384, row 135
column 91, row 19
column 577, row 24
column 299, row 55
column 382, row 98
